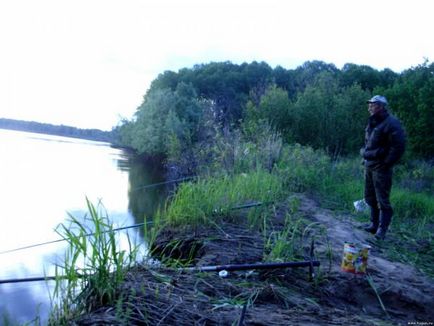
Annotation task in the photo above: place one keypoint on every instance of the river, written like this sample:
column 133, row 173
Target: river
column 43, row 178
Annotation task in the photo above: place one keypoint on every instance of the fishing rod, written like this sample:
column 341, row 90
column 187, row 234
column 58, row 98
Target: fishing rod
column 243, row 267
column 31, row 279
column 217, row 268
column 310, row 263
column 115, row 230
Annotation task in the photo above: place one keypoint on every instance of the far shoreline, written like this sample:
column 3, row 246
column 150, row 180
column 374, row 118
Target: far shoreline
column 58, row 130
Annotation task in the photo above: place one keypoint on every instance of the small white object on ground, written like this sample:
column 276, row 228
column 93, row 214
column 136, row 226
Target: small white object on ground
column 360, row 205
column 223, row 273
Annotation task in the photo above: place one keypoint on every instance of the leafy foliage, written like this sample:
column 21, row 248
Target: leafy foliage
column 315, row 104
column 329, row 117
column 412, row 99
column 165, row 120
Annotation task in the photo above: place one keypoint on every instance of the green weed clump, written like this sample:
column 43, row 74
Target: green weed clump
column 93, row 267
column 201, row 202
column 285, row 245
column 416, row 176
column 293, row 241
column 410, row 206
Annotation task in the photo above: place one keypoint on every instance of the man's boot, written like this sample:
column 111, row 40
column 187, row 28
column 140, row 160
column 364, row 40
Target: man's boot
column 373, row 226
column 385, row 219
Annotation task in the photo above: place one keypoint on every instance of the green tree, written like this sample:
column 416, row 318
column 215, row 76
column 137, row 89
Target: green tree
column 273, row 107
column 368, row 78
column 164, row 120
column 286, row 80
column 315, row 104
column 307, row 74
column 412, row 99
column 329, row 117
column 168, row 79
column 224, row 84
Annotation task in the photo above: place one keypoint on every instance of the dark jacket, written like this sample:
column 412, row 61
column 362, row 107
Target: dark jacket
column 384, row 141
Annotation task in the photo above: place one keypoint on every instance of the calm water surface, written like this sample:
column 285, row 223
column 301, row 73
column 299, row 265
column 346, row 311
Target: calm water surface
column 42, row 179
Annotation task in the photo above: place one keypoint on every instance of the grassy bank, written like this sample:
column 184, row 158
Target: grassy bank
column 92, row 280
column 335, row 183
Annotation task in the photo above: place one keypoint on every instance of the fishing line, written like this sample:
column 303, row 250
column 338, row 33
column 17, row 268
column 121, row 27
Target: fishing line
column 117, row 229
column 309, row 264
column 132, row 226
column 60, row 240
column 162, row 183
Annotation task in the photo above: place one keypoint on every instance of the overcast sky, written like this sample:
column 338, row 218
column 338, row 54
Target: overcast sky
column 87, row 63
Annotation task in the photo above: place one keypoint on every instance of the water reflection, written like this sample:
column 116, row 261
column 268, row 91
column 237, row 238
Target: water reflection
column 123, row 159
column 22, row 293
column 44, row 178
column 28, row 302
column 144, row 198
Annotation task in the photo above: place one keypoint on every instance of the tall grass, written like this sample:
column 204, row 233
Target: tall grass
column 205, row 200
column 93, row 267
column 414, row 207
column 416, row 176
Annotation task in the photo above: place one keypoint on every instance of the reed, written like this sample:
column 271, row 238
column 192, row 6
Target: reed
column 93, row 267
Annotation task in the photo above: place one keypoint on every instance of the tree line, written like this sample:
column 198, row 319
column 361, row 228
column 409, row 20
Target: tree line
column 59, row 130
column 315, row 104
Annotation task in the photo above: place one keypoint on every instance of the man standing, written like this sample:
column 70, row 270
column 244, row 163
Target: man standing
column 384, row 146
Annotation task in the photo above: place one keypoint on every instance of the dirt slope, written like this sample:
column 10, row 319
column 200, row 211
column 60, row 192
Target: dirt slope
column 407, row 294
